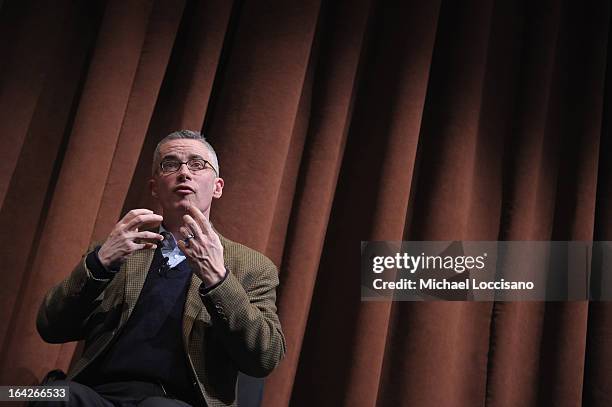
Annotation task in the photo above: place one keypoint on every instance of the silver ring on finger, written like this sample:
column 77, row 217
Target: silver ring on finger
column 187, row 239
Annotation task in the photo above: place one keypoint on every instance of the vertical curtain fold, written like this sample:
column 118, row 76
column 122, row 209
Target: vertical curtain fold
column 154, row 56
column 340, row 50
column 529, row 186
column 445, row 362
column 27, row 52
column 597, row 371
column 24, row 206
column 381, row 141
column 574, row 119
column 256, row 109
column 69, row 222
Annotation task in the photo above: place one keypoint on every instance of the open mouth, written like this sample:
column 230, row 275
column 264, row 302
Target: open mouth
column 184, row 190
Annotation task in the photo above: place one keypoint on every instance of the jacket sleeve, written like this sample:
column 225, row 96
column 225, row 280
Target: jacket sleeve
column 246, row 320
column 66, row 307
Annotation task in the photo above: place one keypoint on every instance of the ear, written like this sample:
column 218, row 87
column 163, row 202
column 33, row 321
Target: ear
column 153, row 188
column 218, row 188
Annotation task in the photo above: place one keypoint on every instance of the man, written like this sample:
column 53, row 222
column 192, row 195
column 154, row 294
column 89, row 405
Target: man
column 169, row 315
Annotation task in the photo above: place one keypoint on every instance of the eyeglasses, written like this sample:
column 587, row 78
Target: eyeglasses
column 194, row 165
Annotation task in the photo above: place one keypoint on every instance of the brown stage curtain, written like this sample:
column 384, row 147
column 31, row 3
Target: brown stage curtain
column 335, row 122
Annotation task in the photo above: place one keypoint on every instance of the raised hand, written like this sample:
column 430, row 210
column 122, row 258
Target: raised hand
column 126, row 237
column 202, row 247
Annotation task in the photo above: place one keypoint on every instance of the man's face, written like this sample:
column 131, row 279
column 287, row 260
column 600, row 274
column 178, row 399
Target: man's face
column 178, row 190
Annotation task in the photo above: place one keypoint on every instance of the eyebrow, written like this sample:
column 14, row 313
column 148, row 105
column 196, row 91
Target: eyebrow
column 174, row 157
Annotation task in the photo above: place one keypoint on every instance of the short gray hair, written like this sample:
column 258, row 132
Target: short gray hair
column 182, row 135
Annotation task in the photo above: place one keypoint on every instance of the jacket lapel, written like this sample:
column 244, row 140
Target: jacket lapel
column 135, row 268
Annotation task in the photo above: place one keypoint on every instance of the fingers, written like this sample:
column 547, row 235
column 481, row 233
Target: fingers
column 148, row 236
column 139, row 220
column 133, row 213
column 147, row 245
column 200, row 219
column 193, row 227
column 186, row 232
column 125, row 238
column 204, row 224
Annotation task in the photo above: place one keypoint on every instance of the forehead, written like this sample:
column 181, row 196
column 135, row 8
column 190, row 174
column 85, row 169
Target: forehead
column 184, row 148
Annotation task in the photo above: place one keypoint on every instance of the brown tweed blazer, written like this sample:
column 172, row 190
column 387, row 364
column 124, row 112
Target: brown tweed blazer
column 234, row 327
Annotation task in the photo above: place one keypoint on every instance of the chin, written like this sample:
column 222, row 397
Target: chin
column 176, row 206
column 184, row 204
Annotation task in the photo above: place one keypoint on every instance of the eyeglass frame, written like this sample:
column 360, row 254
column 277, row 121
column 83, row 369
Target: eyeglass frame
column 161, row 168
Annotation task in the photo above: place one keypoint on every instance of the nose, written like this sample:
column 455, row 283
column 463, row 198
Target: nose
column 183, row 171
